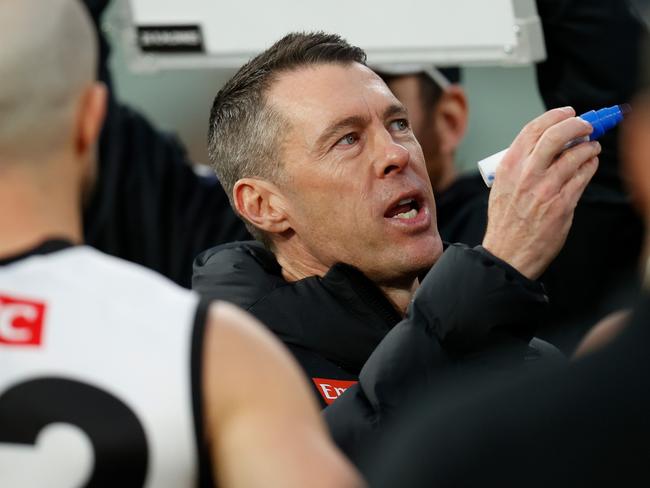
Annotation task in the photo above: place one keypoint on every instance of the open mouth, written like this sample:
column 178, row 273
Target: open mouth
column 405, row 209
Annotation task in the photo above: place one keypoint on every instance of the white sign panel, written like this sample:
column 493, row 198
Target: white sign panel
column 185, row 33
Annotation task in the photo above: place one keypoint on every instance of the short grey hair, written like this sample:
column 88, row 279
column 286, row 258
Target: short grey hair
column 244, row 136
column 48, row 56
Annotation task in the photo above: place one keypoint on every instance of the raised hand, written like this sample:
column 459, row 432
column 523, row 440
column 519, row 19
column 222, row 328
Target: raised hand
column 536, row 189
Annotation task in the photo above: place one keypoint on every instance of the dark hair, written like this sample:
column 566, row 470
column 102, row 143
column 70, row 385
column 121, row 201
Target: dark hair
column 244, row 133
column 430, row 91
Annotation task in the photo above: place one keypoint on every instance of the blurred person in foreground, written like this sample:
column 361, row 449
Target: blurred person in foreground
column 585, row 426
column 318, row 156
column 111, row 375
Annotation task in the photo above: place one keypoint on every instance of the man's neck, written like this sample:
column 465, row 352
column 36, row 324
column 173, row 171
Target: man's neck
column 300, row 264
column 31, row 214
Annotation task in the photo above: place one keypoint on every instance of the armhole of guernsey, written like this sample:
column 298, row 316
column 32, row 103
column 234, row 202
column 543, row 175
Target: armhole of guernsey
column 205, row 478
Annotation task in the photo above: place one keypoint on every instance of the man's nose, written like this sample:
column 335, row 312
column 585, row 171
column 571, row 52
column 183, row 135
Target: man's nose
column 393, row 157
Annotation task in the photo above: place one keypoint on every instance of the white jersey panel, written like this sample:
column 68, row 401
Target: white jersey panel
column 81, row 331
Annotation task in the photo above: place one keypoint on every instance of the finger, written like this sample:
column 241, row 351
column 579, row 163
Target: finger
column 574, row 187
column 555, row 139
column 524, row 143
column 565, row 167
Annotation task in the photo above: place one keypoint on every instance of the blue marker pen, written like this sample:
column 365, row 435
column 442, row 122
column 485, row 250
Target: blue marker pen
column 601, row 120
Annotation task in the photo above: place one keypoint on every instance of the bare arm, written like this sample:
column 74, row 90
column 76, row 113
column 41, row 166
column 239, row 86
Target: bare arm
column 262, row 423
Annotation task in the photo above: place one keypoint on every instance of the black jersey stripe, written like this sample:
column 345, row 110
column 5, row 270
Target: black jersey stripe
column 196, row 370
column 46, row 247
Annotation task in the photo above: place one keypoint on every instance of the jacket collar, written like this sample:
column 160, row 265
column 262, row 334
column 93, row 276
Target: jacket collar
column 342, row 316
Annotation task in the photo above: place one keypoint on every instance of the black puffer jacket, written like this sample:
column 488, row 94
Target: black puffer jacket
column 471, row 309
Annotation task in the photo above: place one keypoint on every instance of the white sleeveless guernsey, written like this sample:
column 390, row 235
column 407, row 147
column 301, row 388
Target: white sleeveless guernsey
column 96, row 374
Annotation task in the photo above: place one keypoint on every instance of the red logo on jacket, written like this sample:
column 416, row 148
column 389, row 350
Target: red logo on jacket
column 332, row 389
column 21, row 321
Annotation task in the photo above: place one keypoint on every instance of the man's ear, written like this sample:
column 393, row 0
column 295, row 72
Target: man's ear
column 90, row 118
column 451, row 117
column 262, row 204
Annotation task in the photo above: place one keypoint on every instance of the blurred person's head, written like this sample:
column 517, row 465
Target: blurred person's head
column 635, row 144
column 318, row 156
column 636, row 149
column 438, row 111
column 51, row 109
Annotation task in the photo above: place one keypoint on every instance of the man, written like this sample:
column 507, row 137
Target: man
column 438, row 111
column 318, row 157
column 111, row 375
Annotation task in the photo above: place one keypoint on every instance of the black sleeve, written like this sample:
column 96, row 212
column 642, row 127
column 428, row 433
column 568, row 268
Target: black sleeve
column 586, row 425
column 467, row 298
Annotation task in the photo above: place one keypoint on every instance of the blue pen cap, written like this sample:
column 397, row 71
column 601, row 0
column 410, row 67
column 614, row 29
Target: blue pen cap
column 605, row 119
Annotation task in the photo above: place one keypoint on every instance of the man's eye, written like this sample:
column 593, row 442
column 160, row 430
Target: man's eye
column 348, row 139
column 399, row 124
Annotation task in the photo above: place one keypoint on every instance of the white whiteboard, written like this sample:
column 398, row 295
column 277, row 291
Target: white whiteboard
column 442, row 32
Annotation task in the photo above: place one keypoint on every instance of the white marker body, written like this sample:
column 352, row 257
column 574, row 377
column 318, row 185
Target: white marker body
column 488, row 166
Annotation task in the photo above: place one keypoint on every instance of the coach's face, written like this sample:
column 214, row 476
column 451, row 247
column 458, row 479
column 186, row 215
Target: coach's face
column 356, row 184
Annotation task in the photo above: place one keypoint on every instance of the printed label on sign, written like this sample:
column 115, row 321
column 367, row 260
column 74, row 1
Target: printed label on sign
column 171, row 39
column 332, row 389
column 21, row 321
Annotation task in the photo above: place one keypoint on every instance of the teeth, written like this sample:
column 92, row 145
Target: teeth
column 405, row 201
column 407, row 215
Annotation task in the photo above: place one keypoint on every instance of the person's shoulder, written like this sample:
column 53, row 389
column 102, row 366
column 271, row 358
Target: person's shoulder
column 240, row 272
column 111, row 276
